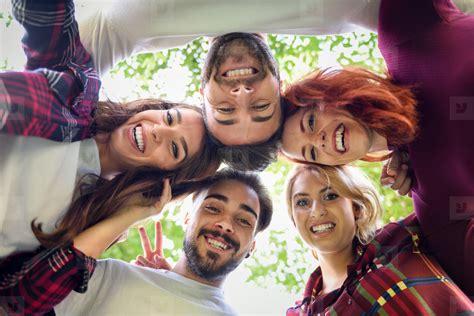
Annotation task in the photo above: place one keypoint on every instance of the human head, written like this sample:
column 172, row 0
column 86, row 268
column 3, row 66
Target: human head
column 241, row 90
column 175, row 129
column 340, row 116
column 348, row 198
column 229, row 209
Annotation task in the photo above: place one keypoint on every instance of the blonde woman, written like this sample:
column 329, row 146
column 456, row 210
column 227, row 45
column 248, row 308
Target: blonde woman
column 336, row 211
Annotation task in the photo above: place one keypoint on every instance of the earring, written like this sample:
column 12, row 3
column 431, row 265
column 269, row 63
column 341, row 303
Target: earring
column 247, row 255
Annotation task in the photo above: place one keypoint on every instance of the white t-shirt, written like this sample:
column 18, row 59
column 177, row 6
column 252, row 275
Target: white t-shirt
column 119, row 288
column 115, row 29
column 37, row 180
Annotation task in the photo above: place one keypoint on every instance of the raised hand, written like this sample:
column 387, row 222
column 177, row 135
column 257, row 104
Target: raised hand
column 152, row 258
column 396, row 173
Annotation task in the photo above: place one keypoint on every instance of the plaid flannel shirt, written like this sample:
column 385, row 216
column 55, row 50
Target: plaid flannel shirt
column 393, row 275
column 35, row 282
column 53, row 98
column 56, row 95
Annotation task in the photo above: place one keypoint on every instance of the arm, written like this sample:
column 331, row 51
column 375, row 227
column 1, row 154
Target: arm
column 48, row 276
column 121, row 28
column 56, row 95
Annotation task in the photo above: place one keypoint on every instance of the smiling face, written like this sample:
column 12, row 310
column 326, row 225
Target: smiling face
column 241, row 90
column 324, row 219
column 330, row 137
column 221, row 229
column 162, row 139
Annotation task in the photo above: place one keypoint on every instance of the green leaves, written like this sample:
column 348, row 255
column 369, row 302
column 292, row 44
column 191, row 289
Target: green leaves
column 283, row 260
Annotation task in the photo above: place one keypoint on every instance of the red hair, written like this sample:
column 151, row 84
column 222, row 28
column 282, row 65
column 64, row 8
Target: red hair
column 375, row 101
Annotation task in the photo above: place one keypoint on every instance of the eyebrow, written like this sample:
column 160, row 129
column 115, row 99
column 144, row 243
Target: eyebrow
column 185, row 148
column 307, row 194
column 178, row 115
column 224, row 198
column 258, row 119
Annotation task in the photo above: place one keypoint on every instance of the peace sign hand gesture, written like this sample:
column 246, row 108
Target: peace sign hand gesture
column 152, row 258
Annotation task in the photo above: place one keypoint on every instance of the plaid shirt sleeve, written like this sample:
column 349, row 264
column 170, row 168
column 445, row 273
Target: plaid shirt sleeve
column 57, row 93
column 35, row 282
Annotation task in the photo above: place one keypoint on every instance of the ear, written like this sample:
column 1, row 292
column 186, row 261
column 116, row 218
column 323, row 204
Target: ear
column 187, row 218
column 252, row 247
column 356, row 210
column 201, row 90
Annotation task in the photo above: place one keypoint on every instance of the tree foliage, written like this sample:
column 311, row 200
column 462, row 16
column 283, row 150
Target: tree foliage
column 285, row 262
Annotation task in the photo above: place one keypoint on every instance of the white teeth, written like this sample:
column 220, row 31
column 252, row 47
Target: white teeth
column 138, row 134
column 340, row 139
column 217, row 244
column 322, row 228
column 239, row 72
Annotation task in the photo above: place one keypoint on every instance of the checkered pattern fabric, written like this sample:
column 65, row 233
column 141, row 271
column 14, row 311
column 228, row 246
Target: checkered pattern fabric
column 393, row 275
column 57, row 93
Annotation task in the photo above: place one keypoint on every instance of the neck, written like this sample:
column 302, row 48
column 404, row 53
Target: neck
column 379, row 143
column 108, row 167
column 334, row 268
column 183, row 269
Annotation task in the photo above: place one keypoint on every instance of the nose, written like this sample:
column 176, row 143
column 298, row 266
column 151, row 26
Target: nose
column 321, row 140
column 317, row 210
column 242, row 89
column 225, row 225
column 159, row 132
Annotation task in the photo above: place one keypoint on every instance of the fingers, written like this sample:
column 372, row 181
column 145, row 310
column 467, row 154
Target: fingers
column 158, row 239
column 405, row 187
column 400, row 177
column 145, row 241
column 161, row 261
column 166, row 193
column 393, row 164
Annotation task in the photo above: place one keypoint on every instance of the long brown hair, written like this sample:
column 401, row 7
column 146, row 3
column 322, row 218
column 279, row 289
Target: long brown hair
column 376, row 101
column 101, row 198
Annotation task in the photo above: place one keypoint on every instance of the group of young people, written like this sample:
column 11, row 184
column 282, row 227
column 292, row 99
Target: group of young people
column 77, row 172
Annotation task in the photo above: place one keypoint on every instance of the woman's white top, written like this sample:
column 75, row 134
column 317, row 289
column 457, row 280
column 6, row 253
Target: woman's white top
column 37, row 180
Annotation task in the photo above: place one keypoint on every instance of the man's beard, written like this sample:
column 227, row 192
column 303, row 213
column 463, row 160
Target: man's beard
column 220, row 51
column 206, row 267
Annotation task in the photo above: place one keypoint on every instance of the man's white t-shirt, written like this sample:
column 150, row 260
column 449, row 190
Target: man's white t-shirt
column 119, row 288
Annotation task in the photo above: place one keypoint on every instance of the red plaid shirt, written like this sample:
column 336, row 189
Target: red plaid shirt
column 35, row 282
column 57, row 93
column 393, row 275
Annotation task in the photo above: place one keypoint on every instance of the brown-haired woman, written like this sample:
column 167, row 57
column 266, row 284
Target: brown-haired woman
column 344, row 115
column 132, row 147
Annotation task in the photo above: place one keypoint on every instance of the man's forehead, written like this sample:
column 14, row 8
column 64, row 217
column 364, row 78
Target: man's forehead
column 225, row 190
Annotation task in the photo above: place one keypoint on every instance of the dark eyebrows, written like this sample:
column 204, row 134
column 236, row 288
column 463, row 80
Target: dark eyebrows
column 225, row 122
column 185, row 148
column 247, row 208
column 178, row 115
column 224, row 198
column 219, row 197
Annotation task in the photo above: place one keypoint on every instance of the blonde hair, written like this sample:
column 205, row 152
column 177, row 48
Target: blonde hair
column 349, row 182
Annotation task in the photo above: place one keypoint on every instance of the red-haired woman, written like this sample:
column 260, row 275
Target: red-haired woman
column 424, row 103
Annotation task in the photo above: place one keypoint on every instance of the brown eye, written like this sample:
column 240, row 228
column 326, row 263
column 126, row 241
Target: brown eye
column 225, row 110
column 311, row 122
column 313, row 153
column 175, row 150
column 262, row 107
column 169, row 118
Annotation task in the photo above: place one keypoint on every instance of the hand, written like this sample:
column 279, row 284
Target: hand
column 153, row 258
column 396, row 173
column 141, row 208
